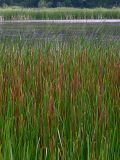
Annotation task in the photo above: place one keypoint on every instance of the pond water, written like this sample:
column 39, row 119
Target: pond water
column 50, row 31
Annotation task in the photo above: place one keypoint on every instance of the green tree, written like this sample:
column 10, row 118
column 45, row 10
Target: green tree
column 55, row 3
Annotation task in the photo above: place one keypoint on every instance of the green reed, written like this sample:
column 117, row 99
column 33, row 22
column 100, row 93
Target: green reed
column 59, row 13
column 59, row 101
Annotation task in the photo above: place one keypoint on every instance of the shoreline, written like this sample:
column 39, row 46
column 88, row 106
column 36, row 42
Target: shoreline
column 72, row 21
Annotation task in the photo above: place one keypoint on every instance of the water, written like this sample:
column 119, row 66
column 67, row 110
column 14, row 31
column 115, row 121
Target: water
column 65, row 31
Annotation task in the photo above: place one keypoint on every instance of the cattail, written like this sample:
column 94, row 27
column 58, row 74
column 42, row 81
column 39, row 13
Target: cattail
column 51, row 116
column 34, row 112
column 61, row 79
column 75, row 84
column 17, row 90
column 22, row 72
column 13, row 88
column 100, row 90
column 20, row 92
column 50, row 112
column 50, row 123
column 39, row 91
column 114, row 79
column 14, row 93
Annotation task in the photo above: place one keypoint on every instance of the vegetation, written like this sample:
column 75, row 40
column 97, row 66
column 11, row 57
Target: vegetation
column 59, row 13
column 59, row 100
column 59, row 3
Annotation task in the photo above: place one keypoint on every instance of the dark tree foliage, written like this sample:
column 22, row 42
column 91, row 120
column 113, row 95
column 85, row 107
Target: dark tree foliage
column 60, row 3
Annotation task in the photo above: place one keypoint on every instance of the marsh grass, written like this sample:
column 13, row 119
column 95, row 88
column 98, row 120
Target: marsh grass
column 59, row 103
column 59, row 13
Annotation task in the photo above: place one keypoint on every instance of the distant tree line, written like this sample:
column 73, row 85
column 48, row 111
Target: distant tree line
column 60, row 3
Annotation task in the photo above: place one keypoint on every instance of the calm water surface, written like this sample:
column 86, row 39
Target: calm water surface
column 31, row 31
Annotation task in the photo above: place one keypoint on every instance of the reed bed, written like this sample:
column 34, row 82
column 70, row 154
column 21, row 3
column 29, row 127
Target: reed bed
column 59, row 13
column 59, row 101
